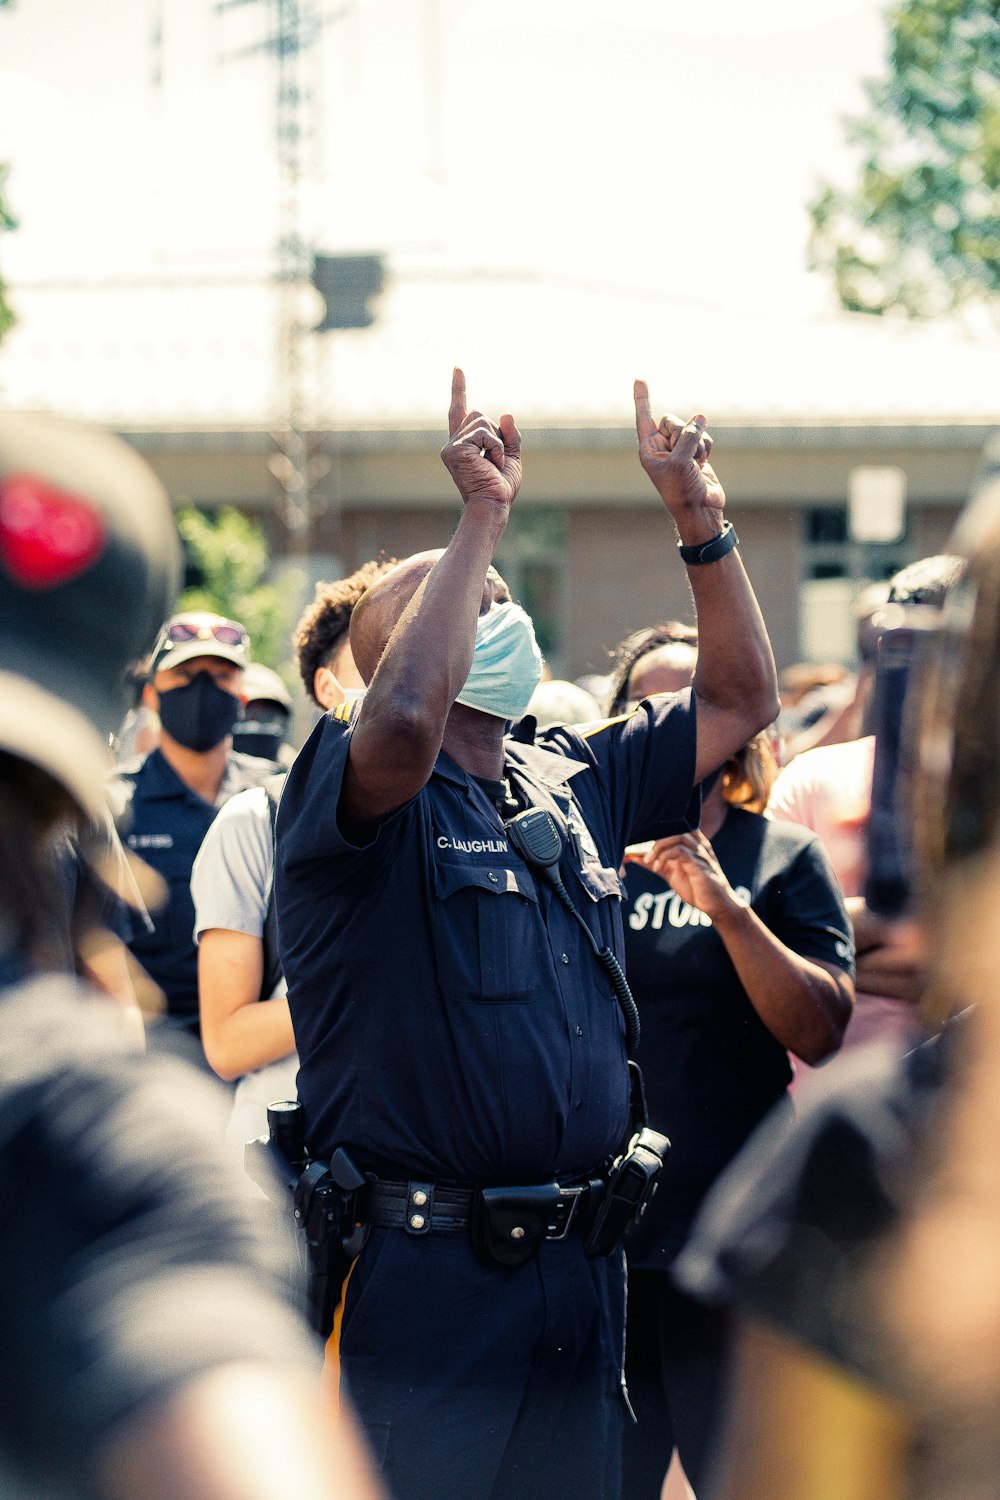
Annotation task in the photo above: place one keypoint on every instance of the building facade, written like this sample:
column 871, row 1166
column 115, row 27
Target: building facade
column 588, row 550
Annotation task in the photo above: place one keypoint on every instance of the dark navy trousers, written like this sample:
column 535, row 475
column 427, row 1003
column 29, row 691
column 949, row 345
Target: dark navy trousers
column 677, row 1366
column 479, row 1382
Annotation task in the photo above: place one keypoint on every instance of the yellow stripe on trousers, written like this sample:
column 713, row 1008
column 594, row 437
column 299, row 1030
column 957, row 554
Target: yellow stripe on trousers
column 331, row 1358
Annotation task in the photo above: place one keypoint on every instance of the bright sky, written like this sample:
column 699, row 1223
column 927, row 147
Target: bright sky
column 633, row 174
column 638, row 142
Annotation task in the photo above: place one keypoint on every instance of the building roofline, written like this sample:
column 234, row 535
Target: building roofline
column 795, row 433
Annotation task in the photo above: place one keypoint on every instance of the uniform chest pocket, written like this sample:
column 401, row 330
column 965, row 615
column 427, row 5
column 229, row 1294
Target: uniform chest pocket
column 489, row 941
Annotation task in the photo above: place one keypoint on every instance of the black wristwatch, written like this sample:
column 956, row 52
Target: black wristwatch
column 713, row 549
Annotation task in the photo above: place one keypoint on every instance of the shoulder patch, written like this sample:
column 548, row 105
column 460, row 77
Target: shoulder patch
column 344, row 712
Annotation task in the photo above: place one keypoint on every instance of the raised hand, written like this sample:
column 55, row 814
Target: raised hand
column 675, row 456
column 687, row 862
column 483, row 457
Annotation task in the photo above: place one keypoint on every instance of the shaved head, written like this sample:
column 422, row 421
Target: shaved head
column 378, row 611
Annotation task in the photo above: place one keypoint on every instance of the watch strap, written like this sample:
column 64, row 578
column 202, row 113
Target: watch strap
column 712, row 550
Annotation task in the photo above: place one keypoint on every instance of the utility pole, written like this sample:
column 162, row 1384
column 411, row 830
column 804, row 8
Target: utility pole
column 294, row 29
column 348, row 284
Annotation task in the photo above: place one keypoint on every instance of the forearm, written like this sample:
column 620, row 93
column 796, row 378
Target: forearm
column 248, row 1038
column 239, row 1031
column 800, row 1003
column 735, row 674
column 429, row 655
column 735, row 681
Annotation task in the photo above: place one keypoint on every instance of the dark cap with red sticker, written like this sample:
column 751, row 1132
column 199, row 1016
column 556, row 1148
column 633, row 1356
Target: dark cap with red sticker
column 89, row 567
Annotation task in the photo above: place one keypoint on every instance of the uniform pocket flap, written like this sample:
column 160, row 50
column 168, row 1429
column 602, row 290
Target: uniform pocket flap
column 497, row 879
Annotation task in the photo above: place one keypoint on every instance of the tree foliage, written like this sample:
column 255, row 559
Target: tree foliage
column 229, row 555
column 918, row 233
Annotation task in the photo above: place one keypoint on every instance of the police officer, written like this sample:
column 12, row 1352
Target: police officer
column 168, row 801
column 456, row 1031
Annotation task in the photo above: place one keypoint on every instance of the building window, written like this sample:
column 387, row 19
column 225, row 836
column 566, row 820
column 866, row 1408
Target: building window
column 826, row 524
column 836, row 570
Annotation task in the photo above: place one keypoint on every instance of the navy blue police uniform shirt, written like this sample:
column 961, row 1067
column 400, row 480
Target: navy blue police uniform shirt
column 164, row 823
column 711, row 1067
column 452, row 1021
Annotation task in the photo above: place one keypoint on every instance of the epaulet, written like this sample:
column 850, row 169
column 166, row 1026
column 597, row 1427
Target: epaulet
column 344, row 712
column 587, row 731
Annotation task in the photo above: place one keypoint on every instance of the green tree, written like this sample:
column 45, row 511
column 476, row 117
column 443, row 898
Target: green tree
column 918, row 233
column 230, row 556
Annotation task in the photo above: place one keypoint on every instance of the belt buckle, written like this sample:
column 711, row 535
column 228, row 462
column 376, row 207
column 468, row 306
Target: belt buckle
column 567, row 1203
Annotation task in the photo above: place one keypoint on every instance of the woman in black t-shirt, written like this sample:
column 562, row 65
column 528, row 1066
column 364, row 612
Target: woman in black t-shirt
column 738, row 952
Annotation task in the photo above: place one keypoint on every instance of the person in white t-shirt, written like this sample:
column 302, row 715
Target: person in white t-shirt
column 245, row 1024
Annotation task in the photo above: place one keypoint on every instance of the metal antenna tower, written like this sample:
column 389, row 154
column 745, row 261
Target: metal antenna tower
column 294, row 28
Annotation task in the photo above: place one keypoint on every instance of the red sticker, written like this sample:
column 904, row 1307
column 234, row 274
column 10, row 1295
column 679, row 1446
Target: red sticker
column 47, row 536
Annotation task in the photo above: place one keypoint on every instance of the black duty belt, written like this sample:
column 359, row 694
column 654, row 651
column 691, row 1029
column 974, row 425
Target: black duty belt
column 427, row 1207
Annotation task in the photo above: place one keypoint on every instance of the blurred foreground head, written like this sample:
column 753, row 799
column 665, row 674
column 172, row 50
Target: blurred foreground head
column 89, row 567
column 945, row 1287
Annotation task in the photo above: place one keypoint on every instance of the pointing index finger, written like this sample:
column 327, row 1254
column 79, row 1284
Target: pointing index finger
column 456, row 411
column 644, row 424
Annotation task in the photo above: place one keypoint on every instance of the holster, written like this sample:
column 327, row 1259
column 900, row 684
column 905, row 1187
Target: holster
column 509, row 1225
column 628, row 1191
column 322, row 1200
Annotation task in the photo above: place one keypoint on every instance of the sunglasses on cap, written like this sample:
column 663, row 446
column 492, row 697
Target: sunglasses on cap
column 226, row 632
column 181, row 632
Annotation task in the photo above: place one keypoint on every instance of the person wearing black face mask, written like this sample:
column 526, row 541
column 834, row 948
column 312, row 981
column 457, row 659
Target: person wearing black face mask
column 267, row 716
column 170, row 799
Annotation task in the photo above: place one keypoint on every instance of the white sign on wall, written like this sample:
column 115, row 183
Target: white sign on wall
column 877, row 503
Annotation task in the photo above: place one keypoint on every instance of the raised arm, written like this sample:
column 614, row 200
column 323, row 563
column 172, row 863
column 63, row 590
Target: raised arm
column 429, row 633
column 735, row 683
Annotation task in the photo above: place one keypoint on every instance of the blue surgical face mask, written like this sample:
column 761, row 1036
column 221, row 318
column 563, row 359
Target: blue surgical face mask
column 353, row 695
column 506, row 663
